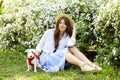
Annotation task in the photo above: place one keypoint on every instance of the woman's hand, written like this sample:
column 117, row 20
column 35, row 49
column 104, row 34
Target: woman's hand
column 37, row 52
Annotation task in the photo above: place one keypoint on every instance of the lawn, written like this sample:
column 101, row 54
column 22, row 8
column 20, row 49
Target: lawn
column 13, row 67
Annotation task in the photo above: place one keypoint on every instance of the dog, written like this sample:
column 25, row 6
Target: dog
column 32, row 60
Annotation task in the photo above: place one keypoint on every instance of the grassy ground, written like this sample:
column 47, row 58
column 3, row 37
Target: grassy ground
column 13, row 67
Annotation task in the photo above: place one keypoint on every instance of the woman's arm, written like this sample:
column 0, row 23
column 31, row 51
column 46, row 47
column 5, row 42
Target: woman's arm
column 37, row 52
column 74, row 33
column 41, row 44
column 72, row 40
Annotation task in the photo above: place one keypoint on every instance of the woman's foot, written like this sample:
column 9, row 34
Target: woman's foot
column 87, row 68
column 97, row 67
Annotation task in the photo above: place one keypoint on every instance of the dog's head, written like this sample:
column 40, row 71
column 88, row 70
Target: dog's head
column 30, row 53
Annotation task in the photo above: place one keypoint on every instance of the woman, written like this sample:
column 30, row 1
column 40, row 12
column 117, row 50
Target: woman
column 57, row 46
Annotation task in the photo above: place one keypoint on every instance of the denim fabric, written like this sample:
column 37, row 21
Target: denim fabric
column 53, row 62
column 67, row 64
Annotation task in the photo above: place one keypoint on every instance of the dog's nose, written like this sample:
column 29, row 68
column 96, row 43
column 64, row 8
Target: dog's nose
column 30, row 56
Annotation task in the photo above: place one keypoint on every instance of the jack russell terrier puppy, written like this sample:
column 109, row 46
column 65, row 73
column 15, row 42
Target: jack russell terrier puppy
column 32, row 60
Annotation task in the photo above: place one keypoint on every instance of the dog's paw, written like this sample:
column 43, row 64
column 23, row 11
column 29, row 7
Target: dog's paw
column 27, row 70
column 35, row 71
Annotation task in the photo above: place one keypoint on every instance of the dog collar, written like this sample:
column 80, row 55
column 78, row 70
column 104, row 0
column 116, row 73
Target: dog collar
column 37, row 57
column 30, row 59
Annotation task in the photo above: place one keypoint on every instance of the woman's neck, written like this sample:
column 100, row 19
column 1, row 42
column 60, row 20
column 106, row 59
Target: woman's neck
column 61, row 35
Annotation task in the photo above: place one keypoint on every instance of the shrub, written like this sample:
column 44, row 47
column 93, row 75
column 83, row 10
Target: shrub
column 24, row 22
column 107, row 29
column 1, row 12
column 18, row 25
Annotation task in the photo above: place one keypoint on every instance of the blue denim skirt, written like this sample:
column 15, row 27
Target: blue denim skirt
column 67, row 64
column 53, row 62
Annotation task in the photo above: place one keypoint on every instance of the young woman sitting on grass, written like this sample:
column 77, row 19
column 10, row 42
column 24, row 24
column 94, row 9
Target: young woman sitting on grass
column 57, row 47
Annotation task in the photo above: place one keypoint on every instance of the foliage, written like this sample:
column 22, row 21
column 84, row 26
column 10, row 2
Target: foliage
column 1, row 12
column 24, row 22
column 107, row 29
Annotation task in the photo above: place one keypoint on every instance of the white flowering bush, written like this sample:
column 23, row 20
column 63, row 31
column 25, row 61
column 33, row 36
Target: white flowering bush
column 18, row 24
column 107, row 29
column 24, row 21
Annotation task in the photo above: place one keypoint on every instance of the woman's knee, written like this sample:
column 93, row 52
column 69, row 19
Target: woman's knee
column 68, row 56
column 72, row 49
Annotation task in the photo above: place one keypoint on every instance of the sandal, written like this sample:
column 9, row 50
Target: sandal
column 87, row 68
column 97, row 67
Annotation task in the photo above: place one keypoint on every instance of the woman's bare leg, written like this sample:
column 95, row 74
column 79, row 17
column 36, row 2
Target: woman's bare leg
column 82, row 57
column 74, row 60
column 79, row 55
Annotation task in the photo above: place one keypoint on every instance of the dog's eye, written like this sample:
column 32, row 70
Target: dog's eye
column 33, row 52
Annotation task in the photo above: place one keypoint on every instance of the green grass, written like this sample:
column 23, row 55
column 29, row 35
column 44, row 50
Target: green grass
column 13, row 67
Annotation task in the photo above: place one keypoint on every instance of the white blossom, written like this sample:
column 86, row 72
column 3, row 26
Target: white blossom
column 114, row 51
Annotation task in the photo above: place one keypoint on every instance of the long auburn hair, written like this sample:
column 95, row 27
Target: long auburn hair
column 57, row 31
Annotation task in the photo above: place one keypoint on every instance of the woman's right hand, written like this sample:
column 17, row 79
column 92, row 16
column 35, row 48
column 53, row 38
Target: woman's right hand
column 37, row 52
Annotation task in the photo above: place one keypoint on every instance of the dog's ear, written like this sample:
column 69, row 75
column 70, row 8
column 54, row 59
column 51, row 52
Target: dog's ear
column 26, row 50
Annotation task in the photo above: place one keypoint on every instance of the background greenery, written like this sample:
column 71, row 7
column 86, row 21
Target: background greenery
column 23, row 22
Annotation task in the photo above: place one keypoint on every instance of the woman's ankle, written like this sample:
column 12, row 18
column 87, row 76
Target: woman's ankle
column 87, row 68
column 82, row 64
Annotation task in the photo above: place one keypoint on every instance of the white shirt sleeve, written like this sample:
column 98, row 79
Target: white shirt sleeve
column 71, row 42
column 41, row 42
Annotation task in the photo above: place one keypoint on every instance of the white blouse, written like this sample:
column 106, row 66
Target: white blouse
column 47, row 42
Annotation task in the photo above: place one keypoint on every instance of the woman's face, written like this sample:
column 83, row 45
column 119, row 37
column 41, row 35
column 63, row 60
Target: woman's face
column 62, row 25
